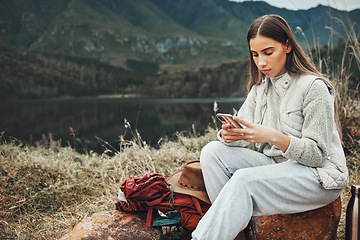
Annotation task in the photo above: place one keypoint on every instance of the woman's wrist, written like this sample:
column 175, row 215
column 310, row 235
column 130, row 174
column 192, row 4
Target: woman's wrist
column 280, row 140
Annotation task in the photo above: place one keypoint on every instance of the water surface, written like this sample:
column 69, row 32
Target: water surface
column 31, row 121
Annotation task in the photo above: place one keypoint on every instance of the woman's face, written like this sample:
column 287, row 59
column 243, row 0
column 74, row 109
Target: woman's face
column 269, row 55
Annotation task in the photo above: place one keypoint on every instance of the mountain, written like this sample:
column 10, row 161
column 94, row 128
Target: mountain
column 190, row 33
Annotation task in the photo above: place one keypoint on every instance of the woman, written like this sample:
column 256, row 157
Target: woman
column 298, row 163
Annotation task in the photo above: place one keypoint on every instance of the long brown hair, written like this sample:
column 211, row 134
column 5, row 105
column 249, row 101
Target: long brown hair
column 276, row 28
column 297, row 62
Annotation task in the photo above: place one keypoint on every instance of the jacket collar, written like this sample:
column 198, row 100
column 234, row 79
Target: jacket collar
column 281, row 83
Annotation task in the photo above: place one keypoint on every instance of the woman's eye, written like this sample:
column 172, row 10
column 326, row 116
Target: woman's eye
column 269, row 53
column 255, row 55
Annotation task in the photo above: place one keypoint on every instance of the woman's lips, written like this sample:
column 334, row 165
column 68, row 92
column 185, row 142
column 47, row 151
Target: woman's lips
column 266, row 71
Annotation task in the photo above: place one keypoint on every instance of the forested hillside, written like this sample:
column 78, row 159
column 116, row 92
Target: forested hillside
column 34, row 76
column 225, row 80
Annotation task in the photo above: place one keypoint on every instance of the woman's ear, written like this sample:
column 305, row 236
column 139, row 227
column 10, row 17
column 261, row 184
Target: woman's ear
column 288, row 46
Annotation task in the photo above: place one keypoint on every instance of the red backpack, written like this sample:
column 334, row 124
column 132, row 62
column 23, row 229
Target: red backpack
column 153, row 192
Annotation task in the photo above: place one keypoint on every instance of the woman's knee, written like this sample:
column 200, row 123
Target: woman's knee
column 209, row 152
column 242, row 176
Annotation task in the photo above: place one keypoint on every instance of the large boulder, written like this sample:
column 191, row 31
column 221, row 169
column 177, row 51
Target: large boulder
column 320, row 223
column 112, row 225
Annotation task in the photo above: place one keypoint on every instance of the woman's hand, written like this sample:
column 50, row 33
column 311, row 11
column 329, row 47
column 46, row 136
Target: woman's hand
column 254, row 133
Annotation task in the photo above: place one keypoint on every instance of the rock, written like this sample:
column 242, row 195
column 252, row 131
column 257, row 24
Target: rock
column 320, row 223
column 112, row 225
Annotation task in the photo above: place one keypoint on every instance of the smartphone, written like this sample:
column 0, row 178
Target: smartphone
column 228, row 118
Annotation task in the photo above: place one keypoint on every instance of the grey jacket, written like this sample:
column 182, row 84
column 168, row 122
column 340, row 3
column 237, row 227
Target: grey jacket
column 302, row 108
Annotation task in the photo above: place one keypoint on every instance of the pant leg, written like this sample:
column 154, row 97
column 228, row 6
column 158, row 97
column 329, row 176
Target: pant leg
column 261, row 190
column 219, row 162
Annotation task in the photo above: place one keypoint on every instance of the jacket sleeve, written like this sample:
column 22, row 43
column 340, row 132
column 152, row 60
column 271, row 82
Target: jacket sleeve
column 318, row 110
column 245, row 112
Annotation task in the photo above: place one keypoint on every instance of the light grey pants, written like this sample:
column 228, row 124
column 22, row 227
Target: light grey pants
column 242, row 183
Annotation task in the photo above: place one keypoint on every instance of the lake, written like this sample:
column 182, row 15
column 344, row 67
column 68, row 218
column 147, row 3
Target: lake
column 103, row 118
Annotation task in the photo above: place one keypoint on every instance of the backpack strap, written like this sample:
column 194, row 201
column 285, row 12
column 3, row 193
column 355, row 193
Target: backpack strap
column 149, row 216
column 155, row 202
column 151, row 205
column 197, row 205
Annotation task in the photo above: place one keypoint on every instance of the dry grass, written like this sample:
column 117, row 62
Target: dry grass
column 44, row 190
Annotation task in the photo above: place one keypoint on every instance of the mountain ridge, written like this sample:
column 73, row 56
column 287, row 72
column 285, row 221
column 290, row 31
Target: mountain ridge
column 192, row 33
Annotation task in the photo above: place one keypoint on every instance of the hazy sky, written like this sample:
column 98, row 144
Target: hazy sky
column 306, row 4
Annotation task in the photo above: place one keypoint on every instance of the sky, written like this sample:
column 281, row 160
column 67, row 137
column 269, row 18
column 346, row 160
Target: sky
column 347, row 5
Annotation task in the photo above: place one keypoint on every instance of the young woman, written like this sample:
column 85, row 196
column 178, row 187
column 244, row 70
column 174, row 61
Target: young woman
column 296, row 162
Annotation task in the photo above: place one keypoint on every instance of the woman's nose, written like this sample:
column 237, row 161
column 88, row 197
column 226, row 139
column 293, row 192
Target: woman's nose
column 262, row 61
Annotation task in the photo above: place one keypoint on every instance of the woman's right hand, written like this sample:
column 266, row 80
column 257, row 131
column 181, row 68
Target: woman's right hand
column 228, row 134
column 254, row 133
